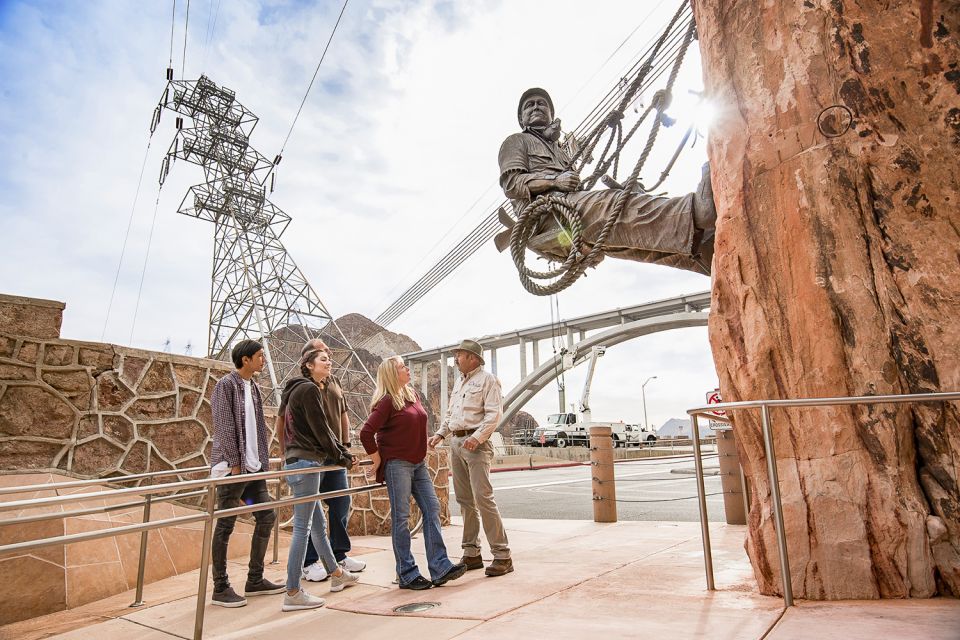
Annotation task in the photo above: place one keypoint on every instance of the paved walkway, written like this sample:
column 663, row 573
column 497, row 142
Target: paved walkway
column 574, row 579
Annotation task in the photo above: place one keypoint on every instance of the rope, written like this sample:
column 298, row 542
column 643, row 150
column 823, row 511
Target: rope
column 489, row 227
column 569, row 218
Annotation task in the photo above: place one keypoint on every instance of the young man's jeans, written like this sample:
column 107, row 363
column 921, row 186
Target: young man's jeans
column 236, row 495
column 339, row 512
column 403, row 479
column 308, row 522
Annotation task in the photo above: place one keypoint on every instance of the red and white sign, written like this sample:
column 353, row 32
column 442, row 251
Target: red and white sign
column 713, row 397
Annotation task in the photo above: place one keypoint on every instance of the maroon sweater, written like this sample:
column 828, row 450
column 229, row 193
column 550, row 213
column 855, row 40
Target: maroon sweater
column 396, row 434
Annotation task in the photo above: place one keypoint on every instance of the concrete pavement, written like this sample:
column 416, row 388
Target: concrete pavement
column 623, row 580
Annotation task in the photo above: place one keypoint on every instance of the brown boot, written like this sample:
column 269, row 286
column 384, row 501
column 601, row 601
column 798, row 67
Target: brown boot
column 472, row 562
column 499, row 567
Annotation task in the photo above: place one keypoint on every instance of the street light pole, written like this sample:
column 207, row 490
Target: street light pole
column 643, row 394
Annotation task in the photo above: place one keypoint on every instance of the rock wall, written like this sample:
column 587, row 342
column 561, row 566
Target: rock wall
column 96, row 410
column 837, row 273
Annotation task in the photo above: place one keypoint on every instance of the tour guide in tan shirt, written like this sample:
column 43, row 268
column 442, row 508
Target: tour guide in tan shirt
column 475, row 409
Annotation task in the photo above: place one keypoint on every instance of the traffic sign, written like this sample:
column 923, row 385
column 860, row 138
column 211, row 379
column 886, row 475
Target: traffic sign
column 713, row 397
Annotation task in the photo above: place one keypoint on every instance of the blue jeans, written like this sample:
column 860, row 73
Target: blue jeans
column 403, row 479
column 339, row 513
column 308, row 522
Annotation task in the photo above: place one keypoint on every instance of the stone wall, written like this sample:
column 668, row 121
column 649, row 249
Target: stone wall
column 95, row 410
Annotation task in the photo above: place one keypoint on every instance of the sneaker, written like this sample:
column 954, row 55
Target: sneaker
column 315, row 573
column 345, row 579
column 499, row 567
column 353, row 565
column 418, row 584
column 302, row 600
column 472, row 562
column 262, row 588
column 228, row 598
column 455, row 572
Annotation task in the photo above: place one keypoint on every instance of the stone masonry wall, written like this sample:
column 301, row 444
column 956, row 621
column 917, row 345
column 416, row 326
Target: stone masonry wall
column 95, row 410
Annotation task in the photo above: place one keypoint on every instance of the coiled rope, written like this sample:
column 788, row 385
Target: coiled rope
column 530, row 218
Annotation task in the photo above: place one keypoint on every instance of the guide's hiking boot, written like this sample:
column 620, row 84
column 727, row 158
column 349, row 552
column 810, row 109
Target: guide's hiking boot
column 499, row 567
column 301, row 600
column 345, row 579
column 262, row 588
column 228, row 598
column 418, row 584
column 472, row 562
column 455, row 572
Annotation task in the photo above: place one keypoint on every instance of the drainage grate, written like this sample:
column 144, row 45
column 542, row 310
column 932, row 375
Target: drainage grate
column 416, row 607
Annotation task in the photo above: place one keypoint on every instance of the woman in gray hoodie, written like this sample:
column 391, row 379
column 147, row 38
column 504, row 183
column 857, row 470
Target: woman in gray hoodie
column 309, row 443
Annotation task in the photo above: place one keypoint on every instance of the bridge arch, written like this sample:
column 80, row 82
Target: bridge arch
column 550, row 370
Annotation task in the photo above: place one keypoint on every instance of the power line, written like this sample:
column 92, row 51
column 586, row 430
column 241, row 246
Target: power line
column 126, row 237
column 173, row 22
column 143, row 273
column 310, row 86
column 186, row 30
column 489, row 226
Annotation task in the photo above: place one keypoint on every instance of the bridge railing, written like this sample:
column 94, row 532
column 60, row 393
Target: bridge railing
column 205, row 487
column 770, row 455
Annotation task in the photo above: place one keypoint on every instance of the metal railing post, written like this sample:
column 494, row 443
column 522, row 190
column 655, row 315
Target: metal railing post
column 276, row 527
column 702, row 503
column 141, row 567
column 785, row 577
column 205, row 561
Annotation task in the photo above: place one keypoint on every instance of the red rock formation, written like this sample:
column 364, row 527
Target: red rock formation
column 837, row 273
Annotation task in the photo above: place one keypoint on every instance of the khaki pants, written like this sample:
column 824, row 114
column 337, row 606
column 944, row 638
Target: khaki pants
column 471, row 483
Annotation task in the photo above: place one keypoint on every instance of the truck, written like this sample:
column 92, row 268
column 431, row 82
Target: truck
column 564, row 429
column 567, row 429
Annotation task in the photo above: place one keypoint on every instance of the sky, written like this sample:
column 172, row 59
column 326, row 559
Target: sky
column 391, row 162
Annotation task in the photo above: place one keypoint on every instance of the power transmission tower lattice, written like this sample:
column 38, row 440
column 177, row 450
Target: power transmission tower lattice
column 257, row 290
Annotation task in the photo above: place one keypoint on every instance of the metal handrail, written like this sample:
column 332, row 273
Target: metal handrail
column 72, row 484
column 208, row 516
column 771, row 459
column 93, row 510
column 155, row 488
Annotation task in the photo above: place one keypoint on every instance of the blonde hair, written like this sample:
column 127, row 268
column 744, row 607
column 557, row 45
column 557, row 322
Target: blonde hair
column 388, row 384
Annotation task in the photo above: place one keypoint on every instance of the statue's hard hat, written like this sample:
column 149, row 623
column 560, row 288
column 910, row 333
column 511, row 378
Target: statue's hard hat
column 471, row 346
column 535, row 91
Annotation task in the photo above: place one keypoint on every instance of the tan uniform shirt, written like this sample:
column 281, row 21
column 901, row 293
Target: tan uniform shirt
column 475, row 403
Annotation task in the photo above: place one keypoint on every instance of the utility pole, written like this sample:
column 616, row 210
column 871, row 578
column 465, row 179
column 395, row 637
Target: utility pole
column 643, row 395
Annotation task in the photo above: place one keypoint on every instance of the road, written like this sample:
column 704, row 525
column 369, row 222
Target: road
column 649, row 489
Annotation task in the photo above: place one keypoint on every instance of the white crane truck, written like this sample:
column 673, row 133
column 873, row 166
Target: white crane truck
column 565, row 429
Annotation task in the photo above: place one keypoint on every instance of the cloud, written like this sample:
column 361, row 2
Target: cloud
column 396, row 141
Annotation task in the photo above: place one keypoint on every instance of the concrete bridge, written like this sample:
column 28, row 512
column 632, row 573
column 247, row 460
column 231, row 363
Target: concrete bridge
column 615, row 326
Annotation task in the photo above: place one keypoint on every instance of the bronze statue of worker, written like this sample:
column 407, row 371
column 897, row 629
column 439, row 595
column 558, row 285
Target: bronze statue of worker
column 676, row 232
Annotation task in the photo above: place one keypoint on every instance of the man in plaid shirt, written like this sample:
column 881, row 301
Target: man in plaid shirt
column 240, row 446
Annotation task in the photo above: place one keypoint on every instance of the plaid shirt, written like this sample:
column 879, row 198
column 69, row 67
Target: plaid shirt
column 229, row 434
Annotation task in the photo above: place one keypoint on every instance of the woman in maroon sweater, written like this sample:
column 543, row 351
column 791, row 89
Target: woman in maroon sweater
column 395, row 436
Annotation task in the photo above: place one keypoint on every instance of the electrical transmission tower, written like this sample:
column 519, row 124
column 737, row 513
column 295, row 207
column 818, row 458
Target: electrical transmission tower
column 257, row 290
